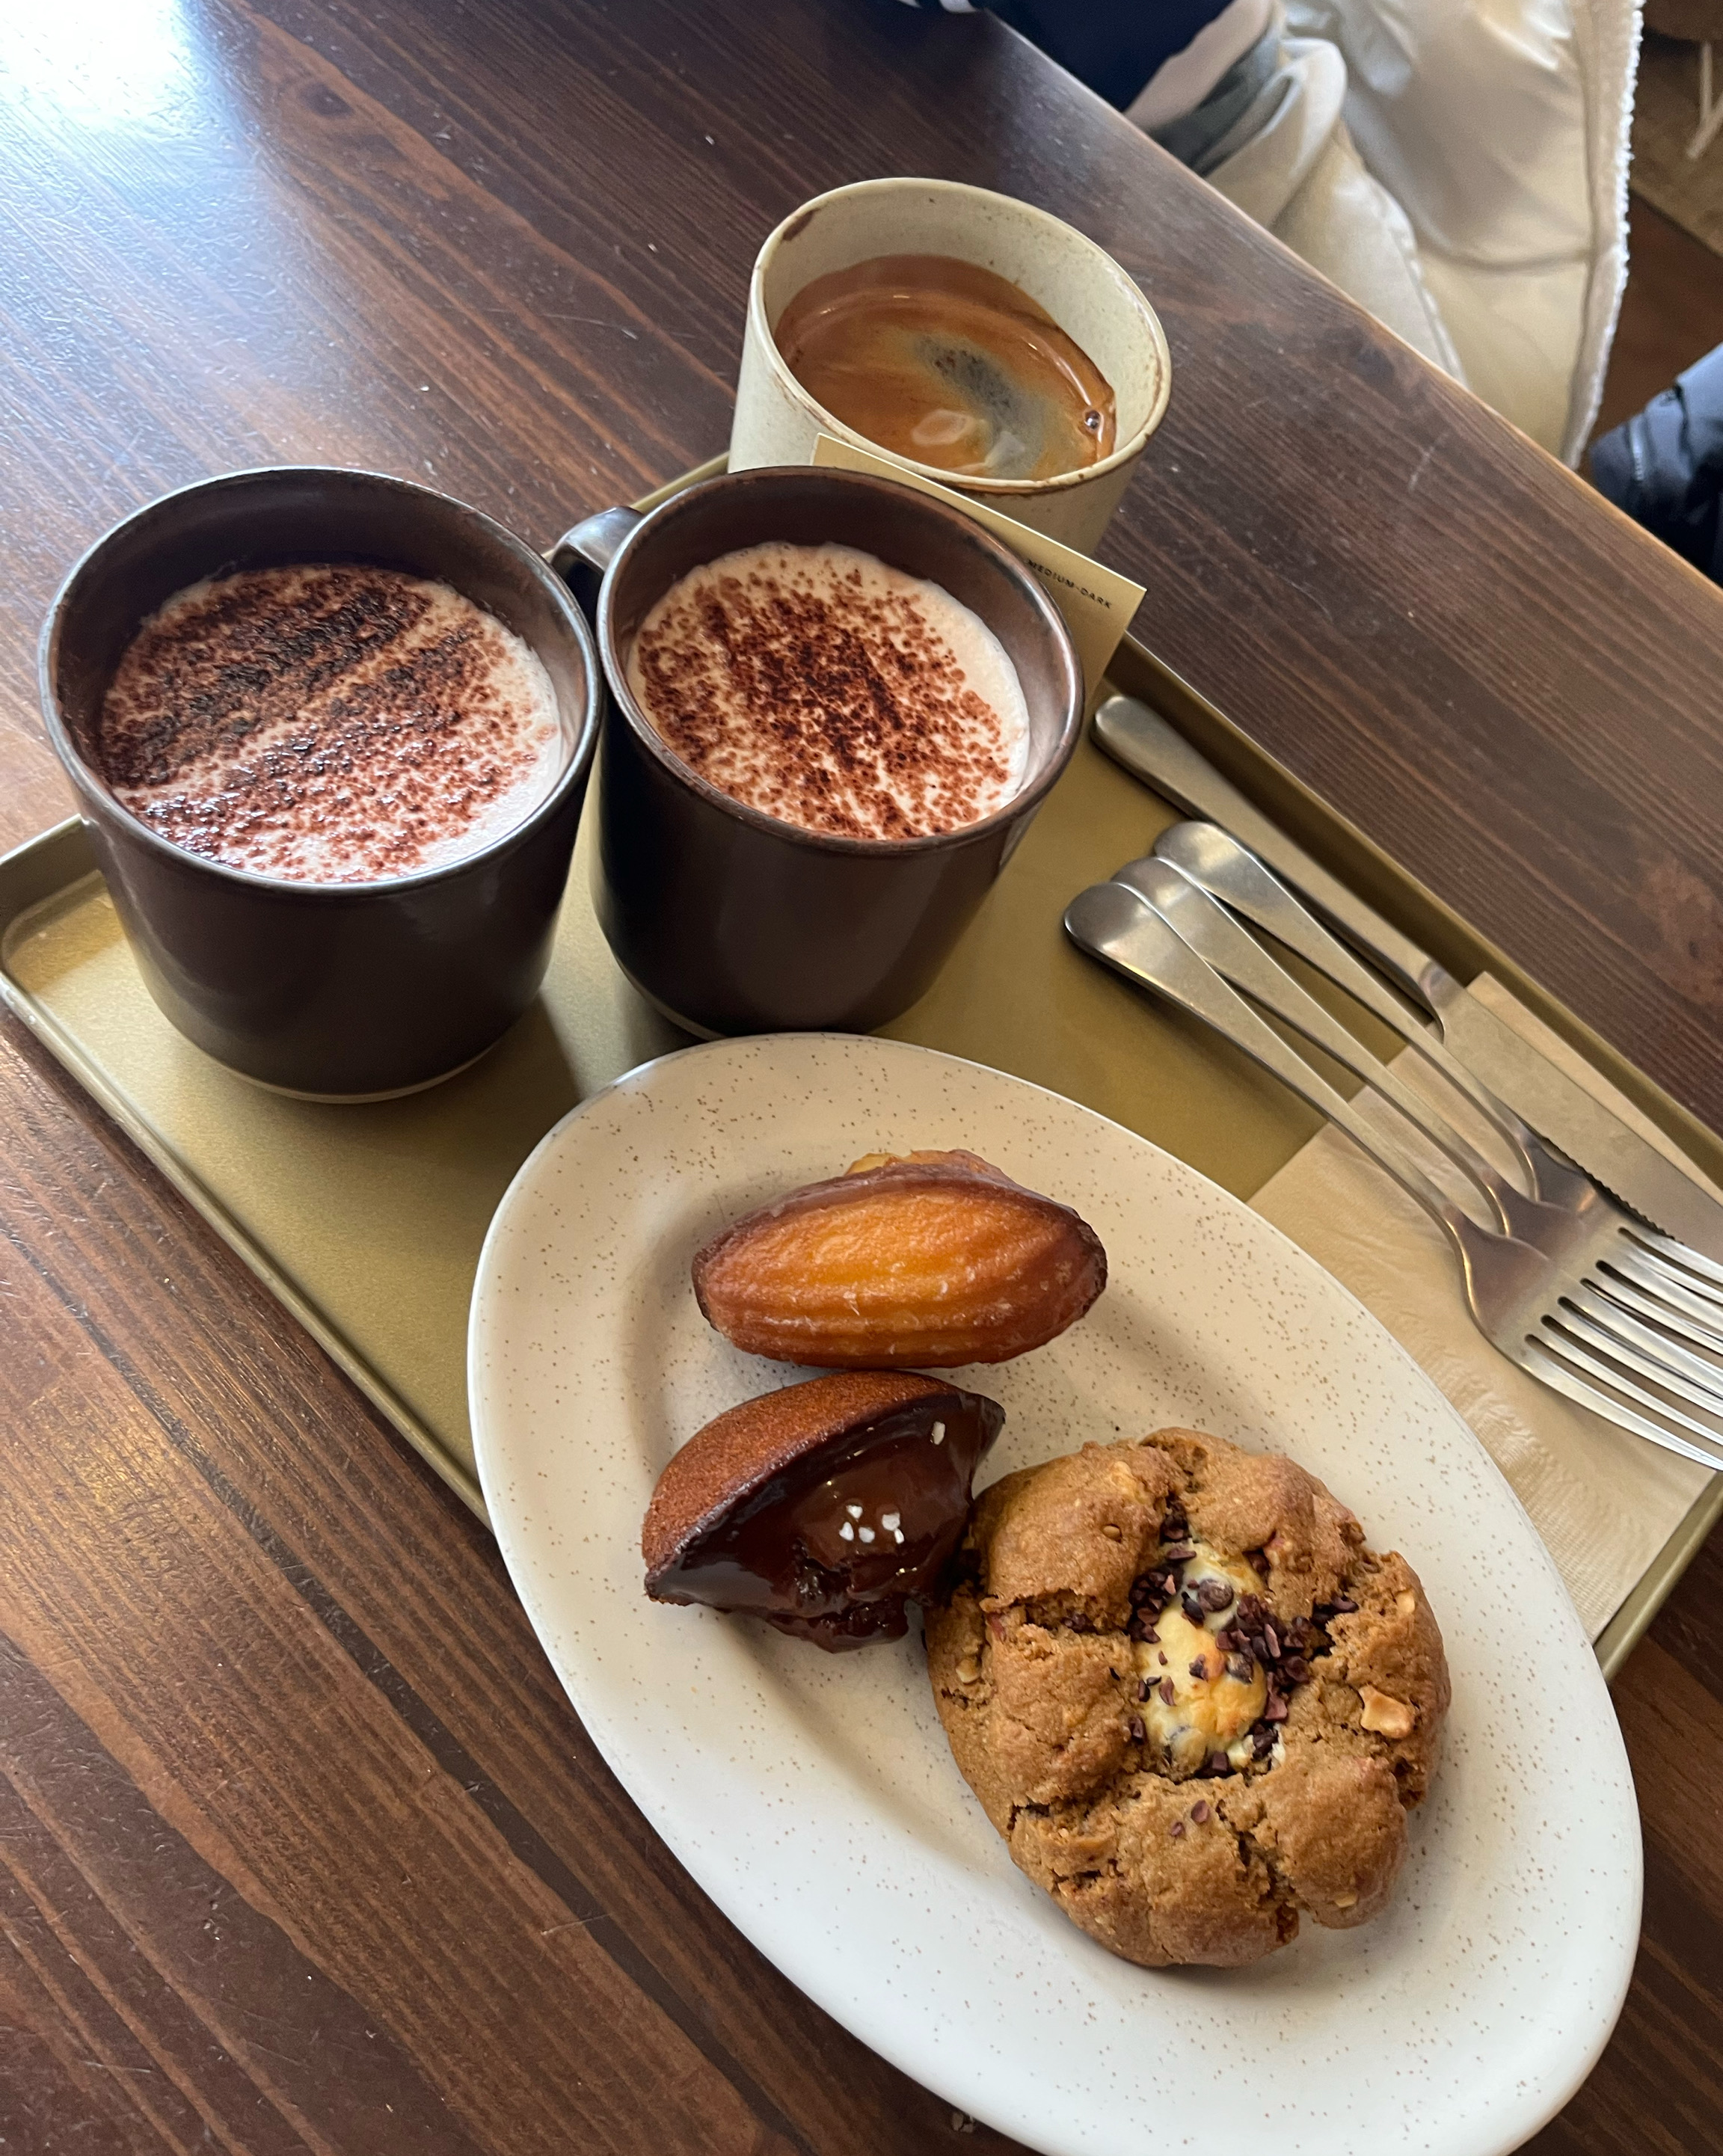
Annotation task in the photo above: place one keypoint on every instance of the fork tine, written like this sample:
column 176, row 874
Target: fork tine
column 1559, row 1379
column 1608, row 1327
column 1679, row 1254
column 1565, row 1348
column 1650, row 1311
column 1651, row 1295
column 1671, row 1269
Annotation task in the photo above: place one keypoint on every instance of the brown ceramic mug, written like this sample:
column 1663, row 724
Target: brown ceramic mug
column 338, row 990
column 732, row 920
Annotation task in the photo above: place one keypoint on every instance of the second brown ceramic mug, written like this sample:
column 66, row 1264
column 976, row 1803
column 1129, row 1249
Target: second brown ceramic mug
column 732, row 920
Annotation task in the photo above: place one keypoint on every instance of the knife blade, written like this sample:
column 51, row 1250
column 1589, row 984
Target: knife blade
column 1557, row 1106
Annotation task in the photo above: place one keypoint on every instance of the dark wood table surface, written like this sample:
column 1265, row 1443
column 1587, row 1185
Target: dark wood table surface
column 302, row 1849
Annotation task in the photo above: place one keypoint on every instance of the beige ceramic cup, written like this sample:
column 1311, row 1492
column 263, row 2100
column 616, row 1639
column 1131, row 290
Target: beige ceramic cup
column 1079, row 284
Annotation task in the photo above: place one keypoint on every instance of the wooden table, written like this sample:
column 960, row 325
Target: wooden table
column 302, row 1848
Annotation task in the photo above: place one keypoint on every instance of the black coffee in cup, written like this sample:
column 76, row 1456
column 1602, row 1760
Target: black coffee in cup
column 951, row 365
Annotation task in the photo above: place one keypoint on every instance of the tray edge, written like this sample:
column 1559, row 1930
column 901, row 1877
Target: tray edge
column 41, row 1022
column 1311, row 817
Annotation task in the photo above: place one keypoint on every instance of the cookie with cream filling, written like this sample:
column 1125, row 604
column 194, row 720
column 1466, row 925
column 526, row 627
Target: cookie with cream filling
column 1193, row 1702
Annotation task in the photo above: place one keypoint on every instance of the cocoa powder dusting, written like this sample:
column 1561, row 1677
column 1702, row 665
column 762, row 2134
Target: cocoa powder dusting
column 336, row 723
column 819, row 693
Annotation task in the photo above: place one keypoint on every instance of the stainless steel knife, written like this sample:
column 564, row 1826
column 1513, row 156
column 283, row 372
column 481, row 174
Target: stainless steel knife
column 1609, row 1150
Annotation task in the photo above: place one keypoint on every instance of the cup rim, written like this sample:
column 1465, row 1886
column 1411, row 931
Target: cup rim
column 978, row 484
column 1028, row 797
column 88, row 783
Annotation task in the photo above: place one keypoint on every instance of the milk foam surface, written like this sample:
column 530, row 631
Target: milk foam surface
column 821, row 686
column 332, row 724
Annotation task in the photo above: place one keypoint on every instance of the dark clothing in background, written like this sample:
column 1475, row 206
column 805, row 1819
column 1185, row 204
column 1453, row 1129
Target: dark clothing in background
column 1113, row 45
column 1664, row 467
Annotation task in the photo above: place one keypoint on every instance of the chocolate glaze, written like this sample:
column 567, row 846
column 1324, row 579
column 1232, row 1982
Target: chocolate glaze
column 777, row 1549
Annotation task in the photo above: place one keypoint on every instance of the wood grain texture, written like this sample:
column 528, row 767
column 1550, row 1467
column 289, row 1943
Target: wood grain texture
column 301, row 1847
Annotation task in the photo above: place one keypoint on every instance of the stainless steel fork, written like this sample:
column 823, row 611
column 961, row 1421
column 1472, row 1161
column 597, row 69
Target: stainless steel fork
column 1591, row 1239
column 1685, row 1280
column 1229, row 872
column 1214, row 935
column 1543, row 1313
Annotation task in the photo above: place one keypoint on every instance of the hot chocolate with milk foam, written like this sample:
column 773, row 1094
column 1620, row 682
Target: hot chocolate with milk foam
column 332, row 723
column 822, row 686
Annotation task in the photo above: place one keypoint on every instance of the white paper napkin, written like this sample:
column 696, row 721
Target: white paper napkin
column 1603, row 1501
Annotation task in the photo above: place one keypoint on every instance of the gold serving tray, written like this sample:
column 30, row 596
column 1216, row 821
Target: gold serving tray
column 367, row 1222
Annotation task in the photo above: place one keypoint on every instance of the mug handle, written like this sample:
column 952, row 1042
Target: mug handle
column 582, row 554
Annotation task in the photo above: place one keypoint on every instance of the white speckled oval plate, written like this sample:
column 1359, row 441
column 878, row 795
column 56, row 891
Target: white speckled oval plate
column 813, row 1797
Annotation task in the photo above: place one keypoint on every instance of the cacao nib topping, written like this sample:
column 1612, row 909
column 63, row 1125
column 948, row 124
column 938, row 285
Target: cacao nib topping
column 1135, row 1729
column 1193, row 1608
column 328, row 723
column 829, row 698
column 1180, row 1554
column 1238, row 1668
column 1169, row 1694
column 1258, row 1561
column 1296, row 1670
column 1143, row 1688
column 1174, row 1525
column 785, row 1547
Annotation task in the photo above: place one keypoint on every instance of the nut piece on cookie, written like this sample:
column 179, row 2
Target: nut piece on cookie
column 1193, row 1703
column 1392, row 1716
column 820, row 1508
column 926, row 1261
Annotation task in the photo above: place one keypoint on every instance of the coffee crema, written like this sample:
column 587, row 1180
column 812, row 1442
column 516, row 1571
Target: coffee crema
column 329, row 723
column 949, row 365
column 819, row 685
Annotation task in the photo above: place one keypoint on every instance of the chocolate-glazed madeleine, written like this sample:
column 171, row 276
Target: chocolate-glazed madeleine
column 930, row 1261
column 820, row 1508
